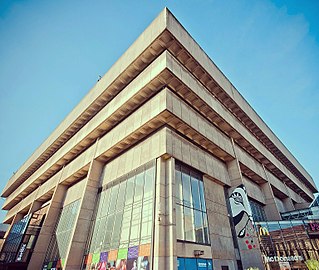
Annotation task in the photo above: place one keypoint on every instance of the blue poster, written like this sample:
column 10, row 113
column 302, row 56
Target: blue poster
column 190, row 264
column 194, row 264
column 180, row 264
column 201, row 264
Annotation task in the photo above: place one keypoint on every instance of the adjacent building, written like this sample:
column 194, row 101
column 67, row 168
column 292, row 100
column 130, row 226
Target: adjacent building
column 162, row 165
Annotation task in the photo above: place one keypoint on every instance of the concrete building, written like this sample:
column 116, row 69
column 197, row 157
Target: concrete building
column 162, row 165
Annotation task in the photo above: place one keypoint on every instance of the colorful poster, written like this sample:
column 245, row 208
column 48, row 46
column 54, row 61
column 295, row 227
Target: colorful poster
column 59, row 264
column 143, row 263
column 103, row 256
column 88, row 261
column 131, row 264
column 122, row 253
column 102, row 266
column 111, row 265
column 95, row 258
column 121, row 264
column 112, row 256
column 93, row 266
column 144, row 250
column 62, row 262
column 54, row 264
column 132, row 252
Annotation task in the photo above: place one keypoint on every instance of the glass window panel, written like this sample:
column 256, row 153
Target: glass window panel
column 189, row 224
column 117, row 230
column 113, row 199
column 135, row 225
column 108, row 231
column 202, row 195
column 100, row 235
column 100, row 203
column 206, row 231
column 187, row 194
column 121, row 197
column 179, row 187
column 95, row 231
column 179, row 222
column 106, row 202
column 126, row 225
column 195, row 193
column 130, row 187
column 139, row 187
column 147, row 217
column 149, row 182
column 199, row 226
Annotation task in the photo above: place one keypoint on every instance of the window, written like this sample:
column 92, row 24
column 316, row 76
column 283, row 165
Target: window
column 191, row 216
column 59, row 243
column 124, row 220
column 21, row 239
column 258, row 211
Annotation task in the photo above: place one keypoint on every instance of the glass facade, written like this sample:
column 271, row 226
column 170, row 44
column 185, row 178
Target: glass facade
column 191, row 215
column 258, row 211
column 60, row 240
column 122, row 230
column 293, row 241
column 22, row 238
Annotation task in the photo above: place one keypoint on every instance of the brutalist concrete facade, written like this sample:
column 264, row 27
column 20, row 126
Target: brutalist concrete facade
column 163, row 105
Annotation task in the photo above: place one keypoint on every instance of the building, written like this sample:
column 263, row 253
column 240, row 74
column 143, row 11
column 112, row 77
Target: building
column 163, row 165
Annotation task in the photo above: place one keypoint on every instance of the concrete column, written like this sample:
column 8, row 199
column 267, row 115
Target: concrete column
column 289, row 205
column 222, row 247
column 164, row 240
column 83, row 221
column 35, row 206
column 171, row 215
column 271, row 209
column 48, row 226
column 235, row 175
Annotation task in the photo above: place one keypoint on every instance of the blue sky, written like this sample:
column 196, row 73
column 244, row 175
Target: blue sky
column 52, row 52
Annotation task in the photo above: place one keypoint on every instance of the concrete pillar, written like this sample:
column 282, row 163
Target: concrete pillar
column 271, row 209
column 234, row 173
column 164, row 240
column 289, row 205
column 35, row 206
column 222, row 247
column 171, row 214
column 83, row 221
column 48, row 226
